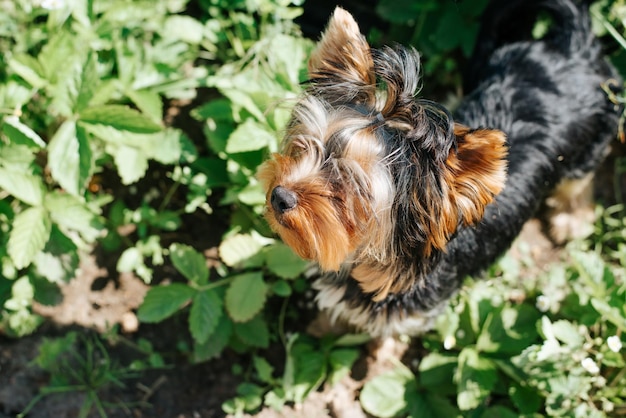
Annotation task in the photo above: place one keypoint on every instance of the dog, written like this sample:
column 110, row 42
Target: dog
column 396, row 199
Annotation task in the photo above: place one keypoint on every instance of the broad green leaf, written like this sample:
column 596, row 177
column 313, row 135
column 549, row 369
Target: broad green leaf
column 131, row 163
column 204, row 316
column 69, row 158
column 384, row 395
column 23, row 186
column 214, row 345
column 253, row 333
column 499, row 411
column 163, row 301
column 29, row 69
column 429, row 404
column 190, row 263
column 18, row 133
column 476, row 377
column 60, row 54
column 120, row 117
column 341, row 361
column 281, row 288
column 245, row 296
column 238, row 248
column 305, row 368
column 31, row 230
column 525, row 398
column 86, row 83
column 71, row 213
column 436, row 370
column 283, row 262
column 185, row 28
column 567, row 333
column 263, row 369
column 508, row 330
column 148, row 102
column 249, row 136
column 610, row 313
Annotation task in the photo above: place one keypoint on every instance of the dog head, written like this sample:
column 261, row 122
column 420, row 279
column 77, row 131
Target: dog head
column 368, row 172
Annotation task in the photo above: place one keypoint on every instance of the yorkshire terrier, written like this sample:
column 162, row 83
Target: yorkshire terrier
column 396, row 199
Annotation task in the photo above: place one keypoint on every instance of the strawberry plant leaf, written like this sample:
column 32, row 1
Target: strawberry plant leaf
column 476, row 377
column 384, row 395
column 190, row 263
column 214, row 345
column 249, row 136
column 246, row 296
column 70, row 158
column 131, row 163
column 31, row 231
column 21, row 134
column 205, row 313
column 163, row 301
column 283, row 262
column 25, row 187
column 253, row 333
column 239, row 248
column 120, row 117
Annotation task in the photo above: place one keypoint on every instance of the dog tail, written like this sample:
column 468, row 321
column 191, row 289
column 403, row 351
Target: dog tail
column 508, row 21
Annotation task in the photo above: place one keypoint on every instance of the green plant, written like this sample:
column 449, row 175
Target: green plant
column 82, row 99
column 79, row 363
column 308, row 364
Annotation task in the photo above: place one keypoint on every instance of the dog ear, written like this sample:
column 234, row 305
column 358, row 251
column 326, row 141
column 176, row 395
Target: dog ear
column 476, row 170
column 342, row 54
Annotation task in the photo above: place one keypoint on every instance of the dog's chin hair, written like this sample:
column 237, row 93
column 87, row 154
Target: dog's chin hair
column 389, row 324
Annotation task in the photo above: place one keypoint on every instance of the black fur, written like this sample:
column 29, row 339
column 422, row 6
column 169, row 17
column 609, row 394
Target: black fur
column 546, row 95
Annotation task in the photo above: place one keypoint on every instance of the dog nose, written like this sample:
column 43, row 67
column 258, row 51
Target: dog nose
column 283, row 199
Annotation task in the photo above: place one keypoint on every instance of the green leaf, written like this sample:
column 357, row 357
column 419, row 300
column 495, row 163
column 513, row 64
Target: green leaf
column 384, row 395
column 249, row 136
column 245, row 296
column 29, row 69
column 283, row 262
column 610, row 313
column 281, row 288
column 184, row 28
column 31, row 230
column 508, row 330
column 253, row 333
column 238, row 248
column 163, row 301
column 341, row 361
column 216, row 343
column 87, row 83
column 499, row 412
column 190, row 263
column 69, row 158
column 263, row 369
column 305, row 368
column 148, row 102
column 18, row 133
column 476, row 377
column 204, row 316
column 71, row 213
column 120, row 117
column 25, row 187
column 131, row 163
column 526, row 399
column 567, row 333
column 429, row 404
column 437, row 371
